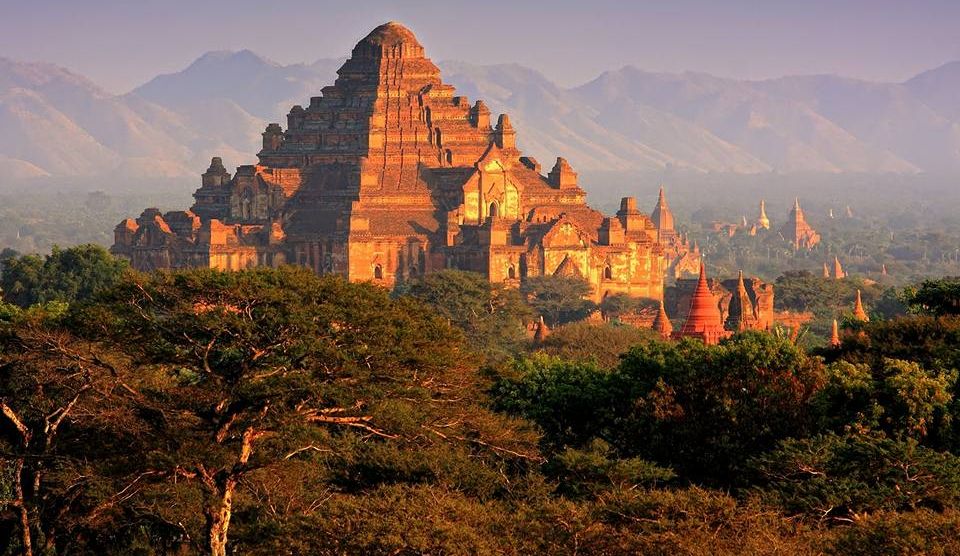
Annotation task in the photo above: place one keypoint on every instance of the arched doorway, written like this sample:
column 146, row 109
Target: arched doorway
column 378, row 272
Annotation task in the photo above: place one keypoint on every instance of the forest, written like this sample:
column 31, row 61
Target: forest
column 272, row 411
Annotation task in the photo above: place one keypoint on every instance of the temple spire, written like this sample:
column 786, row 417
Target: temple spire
column 762, row 220
column 704, row 320
column 662, row 323
column 541, row 332
column 858, row 312
column 838, row 271
column 835, row 335
column 741, row 308
column 661, row 216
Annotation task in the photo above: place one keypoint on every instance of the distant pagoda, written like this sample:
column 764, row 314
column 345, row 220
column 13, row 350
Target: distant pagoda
column 797, row 231
column 663, row 219
column 762, row 221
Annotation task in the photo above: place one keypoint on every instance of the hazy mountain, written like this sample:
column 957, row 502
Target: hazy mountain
column 553, row 122
column 786, row 134
column 939, row 88
column 56, row 123
column 885, row 116
column 262, row 88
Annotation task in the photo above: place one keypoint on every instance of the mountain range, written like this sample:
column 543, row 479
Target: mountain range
column 57, row 123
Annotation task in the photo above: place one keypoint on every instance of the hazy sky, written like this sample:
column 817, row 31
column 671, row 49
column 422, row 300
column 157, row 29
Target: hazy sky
column 122, row 43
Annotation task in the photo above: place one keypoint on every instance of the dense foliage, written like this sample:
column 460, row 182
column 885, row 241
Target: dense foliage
column 277, row 412
column 65, row 275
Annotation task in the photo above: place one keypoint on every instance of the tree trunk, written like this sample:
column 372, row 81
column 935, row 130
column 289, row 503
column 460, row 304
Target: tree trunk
column 23, row 513
column 219, row 517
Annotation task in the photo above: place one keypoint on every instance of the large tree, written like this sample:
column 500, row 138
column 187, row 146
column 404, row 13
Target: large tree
column 250, row 372
column 491, row 315
column 558, row 299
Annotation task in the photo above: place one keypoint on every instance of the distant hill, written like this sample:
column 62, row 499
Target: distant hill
column 57, row 123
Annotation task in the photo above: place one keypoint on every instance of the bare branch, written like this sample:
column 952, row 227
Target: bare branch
column 14, row 419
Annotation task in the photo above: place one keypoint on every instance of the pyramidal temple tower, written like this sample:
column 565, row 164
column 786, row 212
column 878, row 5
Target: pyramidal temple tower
column 797, row 231
column 388, row 174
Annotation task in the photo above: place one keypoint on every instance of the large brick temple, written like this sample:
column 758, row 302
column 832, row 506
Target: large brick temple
column 388, row 175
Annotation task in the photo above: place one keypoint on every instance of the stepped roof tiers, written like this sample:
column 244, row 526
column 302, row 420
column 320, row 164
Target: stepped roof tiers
column 389, row 174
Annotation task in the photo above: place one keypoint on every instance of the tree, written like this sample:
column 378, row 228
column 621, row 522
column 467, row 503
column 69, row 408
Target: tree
column 61, row 406
column 558, row 299
column 935, row 297
column 74, row 274
column 491, row 315
column 897, row 397
column 707, row 409
column 602, row 343
column 618, row 304
column 833, row 476
column 253, row 371
column 703, row 410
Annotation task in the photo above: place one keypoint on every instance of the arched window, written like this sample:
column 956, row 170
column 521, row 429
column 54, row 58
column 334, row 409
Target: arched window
column 607, row 273
column 378, row 272
column 493, row 209
column 511, row 272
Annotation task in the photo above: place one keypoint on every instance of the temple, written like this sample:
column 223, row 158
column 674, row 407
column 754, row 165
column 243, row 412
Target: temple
column 388, row 175
column 797, row 231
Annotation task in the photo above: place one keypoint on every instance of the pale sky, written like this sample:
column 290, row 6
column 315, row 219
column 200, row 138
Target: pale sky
column 122, row 43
